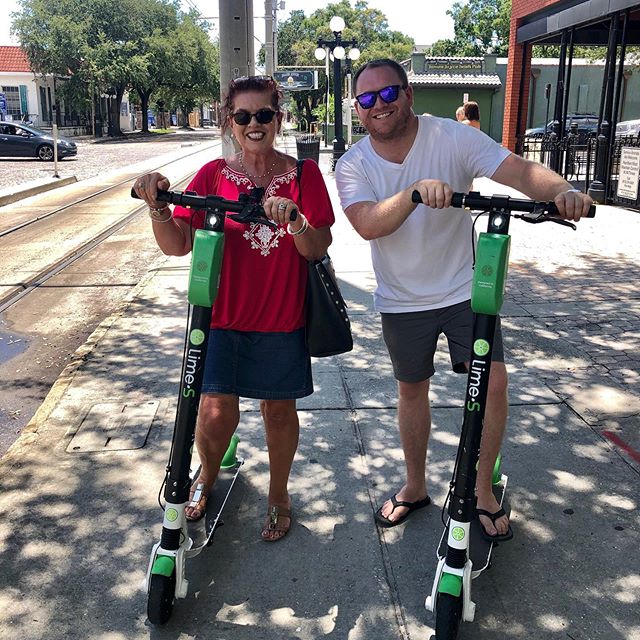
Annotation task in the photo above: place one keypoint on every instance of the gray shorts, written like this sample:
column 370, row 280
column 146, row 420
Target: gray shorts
column 412, row 338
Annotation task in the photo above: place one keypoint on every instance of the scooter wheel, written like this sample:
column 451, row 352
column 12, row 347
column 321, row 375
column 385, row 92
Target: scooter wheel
column 448, row 616
column 162, row 591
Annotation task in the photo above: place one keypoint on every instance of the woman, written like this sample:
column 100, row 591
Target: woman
column 471, row 114
column 257, row 344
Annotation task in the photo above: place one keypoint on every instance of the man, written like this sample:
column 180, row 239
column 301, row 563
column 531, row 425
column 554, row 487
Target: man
column 422, row 259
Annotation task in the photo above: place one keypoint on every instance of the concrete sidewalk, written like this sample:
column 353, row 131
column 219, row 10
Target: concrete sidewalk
column 79, row 504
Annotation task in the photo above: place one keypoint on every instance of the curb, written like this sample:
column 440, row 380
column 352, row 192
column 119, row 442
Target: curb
column 29, row 433
column 13, row 194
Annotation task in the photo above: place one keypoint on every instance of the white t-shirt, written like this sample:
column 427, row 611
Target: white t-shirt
column 427, row 262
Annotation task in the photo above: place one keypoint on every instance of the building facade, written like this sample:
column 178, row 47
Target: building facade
column 613, row 25
column 27, row 96
column 33, row 98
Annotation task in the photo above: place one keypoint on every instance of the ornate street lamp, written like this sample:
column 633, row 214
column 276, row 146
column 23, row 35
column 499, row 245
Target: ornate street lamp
column 337, row 52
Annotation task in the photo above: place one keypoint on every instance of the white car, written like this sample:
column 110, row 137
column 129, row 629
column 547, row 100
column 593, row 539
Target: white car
column 628, row 128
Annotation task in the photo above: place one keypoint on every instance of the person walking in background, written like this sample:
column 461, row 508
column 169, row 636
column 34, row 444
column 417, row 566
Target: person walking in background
column 423, row 256
column 257, row 347
column 460, row 113
column 471, row 114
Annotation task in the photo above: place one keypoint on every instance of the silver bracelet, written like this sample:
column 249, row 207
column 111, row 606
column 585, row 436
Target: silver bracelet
column 301, row 230
column 154, row 214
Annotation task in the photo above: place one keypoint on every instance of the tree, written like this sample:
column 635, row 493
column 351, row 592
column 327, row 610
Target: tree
column 298, row 37
column 192, row 72
column 480, row 27
column 155, row 49
column 105, row 46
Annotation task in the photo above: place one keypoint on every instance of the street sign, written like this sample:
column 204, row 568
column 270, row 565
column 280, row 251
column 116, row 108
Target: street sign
column 296, row 80
column 629, row 173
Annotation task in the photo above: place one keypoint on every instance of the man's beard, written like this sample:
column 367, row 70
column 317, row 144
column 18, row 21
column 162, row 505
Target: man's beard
column 397, row 131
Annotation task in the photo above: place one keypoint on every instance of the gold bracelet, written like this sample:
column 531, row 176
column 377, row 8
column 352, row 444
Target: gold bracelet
column 301, row 230
column 154, row 214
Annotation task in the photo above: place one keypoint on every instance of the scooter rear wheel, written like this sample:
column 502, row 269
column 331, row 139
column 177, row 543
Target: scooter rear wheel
column 448, row 616
column 162, row 591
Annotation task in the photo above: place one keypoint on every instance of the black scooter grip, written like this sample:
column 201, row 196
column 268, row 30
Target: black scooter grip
column 553, row 210
column 161, row 196
column 456, row 200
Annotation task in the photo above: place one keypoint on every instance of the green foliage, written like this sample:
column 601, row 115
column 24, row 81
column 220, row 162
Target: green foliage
column 298, row 39
column 104, row 46
column 553, row 51
column 480, row 27
column 192, row 72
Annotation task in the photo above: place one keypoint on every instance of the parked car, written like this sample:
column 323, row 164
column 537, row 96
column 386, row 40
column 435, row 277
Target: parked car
column 21, row 140
column 628, row 128
column 587, row 124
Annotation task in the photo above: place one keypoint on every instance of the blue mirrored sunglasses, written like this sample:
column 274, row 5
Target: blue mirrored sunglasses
column 388, row 94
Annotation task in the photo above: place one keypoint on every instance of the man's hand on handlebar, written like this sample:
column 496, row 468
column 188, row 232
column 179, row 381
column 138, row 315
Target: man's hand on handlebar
column 573, row 205
column 147, row 187
column 434, row 193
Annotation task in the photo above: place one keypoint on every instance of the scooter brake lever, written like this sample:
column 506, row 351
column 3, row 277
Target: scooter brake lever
column 533, row 217
column 251, row 216
column 563, row 222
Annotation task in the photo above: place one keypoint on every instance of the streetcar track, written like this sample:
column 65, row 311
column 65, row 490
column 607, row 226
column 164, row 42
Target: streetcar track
column 22, row 225
column 24, row 288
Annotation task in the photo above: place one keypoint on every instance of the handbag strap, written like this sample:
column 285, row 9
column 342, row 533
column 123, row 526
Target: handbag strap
column 299, row 165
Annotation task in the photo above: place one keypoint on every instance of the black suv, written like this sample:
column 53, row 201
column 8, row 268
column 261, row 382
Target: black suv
column 587, row 124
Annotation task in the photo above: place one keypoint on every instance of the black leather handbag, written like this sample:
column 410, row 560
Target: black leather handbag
column 327, row 321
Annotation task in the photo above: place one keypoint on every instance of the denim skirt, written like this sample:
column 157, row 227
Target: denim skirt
column 252, row 364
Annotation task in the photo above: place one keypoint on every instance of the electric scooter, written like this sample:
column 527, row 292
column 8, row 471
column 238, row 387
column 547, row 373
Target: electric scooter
column 464, row 553
column 166, row 573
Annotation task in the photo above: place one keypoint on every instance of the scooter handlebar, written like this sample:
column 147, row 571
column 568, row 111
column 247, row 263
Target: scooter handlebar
column 474, row 200
column 186, row 199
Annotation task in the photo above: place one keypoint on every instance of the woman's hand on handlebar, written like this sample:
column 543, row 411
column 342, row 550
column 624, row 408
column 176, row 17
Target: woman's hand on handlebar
column 434, row 193
column 573, row 205
column 147, row 187
column 279, row 209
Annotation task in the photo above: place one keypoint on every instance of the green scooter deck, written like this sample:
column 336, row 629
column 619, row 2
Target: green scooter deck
column 202, row 531
column 479, row 549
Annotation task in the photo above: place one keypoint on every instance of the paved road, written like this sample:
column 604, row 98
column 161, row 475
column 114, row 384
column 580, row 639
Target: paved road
column 101, row 155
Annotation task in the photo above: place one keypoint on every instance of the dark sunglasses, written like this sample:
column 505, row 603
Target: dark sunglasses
column 388, row 94
column 255, row 78
column 263, row 116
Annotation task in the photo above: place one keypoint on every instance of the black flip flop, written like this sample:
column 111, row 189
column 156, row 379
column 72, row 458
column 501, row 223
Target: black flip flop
column 493, row 517
column 412, row 506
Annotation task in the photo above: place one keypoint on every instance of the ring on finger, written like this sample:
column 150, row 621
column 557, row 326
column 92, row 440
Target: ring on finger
column 282, row 206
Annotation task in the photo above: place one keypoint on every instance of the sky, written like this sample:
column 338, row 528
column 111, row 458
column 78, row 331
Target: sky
column 406, row 16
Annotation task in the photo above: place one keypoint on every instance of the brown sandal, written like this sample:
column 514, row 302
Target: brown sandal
column 274, row 529
column 198, row 502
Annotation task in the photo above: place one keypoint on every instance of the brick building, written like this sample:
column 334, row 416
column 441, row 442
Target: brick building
column 611, row 24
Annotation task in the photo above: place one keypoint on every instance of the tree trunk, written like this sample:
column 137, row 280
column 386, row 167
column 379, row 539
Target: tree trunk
column 144, row 107
column 115, row 112
column 309, row 115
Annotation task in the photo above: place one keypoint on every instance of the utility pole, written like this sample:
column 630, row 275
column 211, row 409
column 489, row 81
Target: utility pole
column 237, row 57
column 269, row 65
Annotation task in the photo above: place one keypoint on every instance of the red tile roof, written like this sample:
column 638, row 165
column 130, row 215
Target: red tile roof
column 14, row 59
